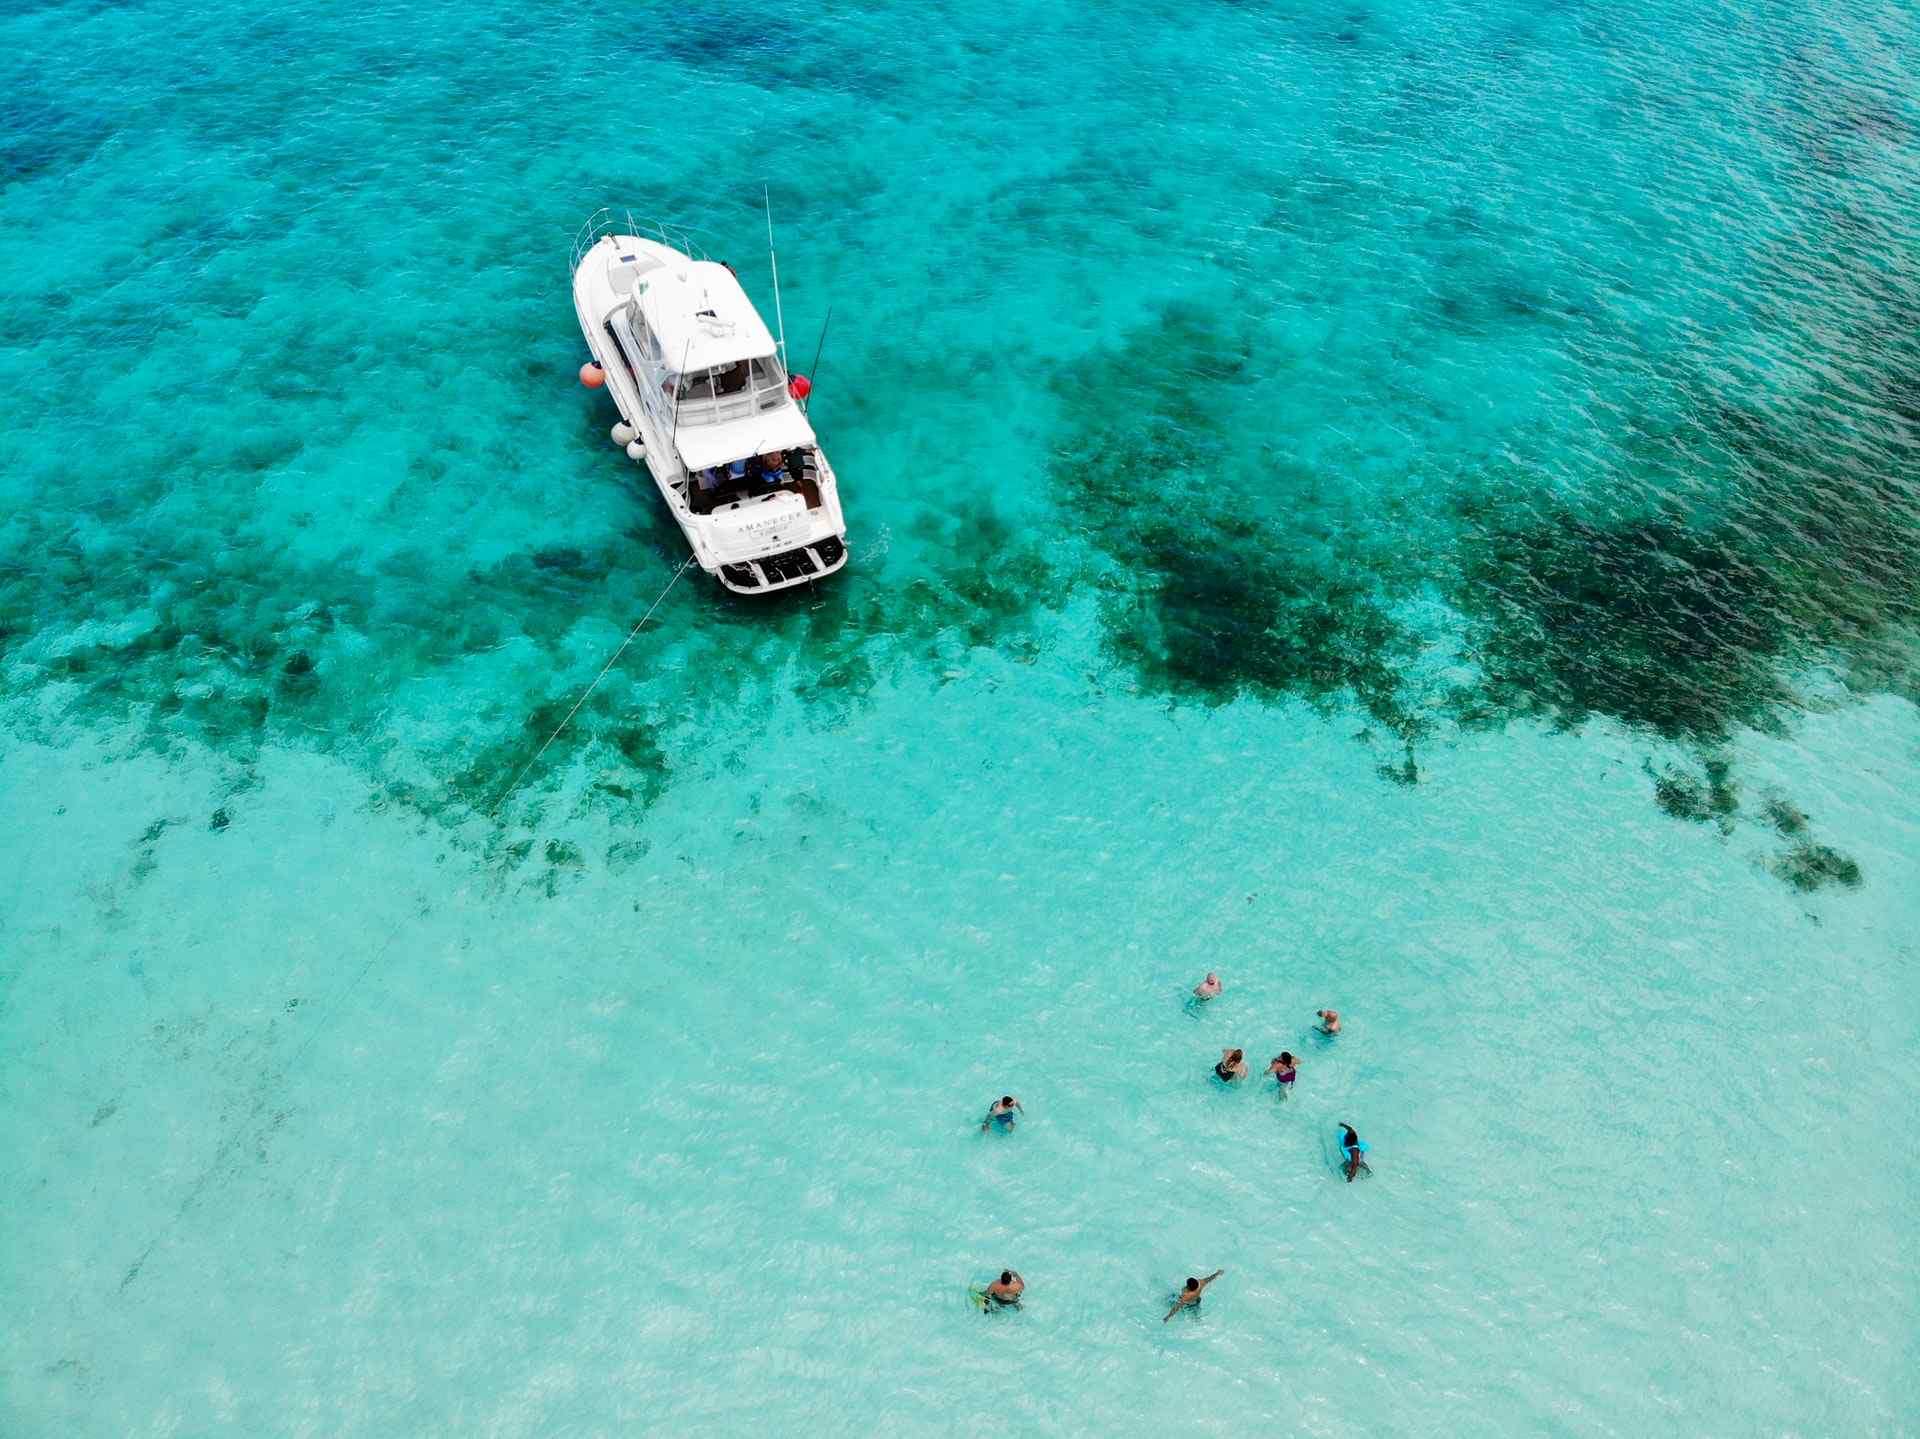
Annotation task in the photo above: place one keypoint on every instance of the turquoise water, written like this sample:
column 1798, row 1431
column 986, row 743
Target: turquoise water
column 1414, row 508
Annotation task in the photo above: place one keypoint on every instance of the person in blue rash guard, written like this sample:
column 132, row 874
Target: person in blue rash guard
column 1352, row 1146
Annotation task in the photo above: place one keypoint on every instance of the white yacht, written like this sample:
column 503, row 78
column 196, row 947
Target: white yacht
column 706, row 404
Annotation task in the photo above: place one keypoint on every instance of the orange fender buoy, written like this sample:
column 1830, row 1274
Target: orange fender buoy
column 592, row 376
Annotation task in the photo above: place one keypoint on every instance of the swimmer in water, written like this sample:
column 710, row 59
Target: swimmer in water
column 1002, row 1113
column 1190, row 1296
column 1285, row 1069
column 1232, row 1066
column 1329, row 1020
column 1208, row 988
column 1353, row 1146
column 1005, row 1291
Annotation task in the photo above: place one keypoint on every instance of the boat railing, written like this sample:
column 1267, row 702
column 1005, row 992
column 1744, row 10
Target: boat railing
column 608, row 221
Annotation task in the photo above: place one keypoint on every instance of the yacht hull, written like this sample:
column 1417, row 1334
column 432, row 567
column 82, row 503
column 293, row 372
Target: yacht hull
column 744, row 545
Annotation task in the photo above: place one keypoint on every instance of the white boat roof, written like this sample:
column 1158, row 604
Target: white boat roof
column 701, row 316
column 720, row 443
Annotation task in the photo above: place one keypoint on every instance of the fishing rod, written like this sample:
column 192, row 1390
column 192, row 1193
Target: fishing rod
column 813, row 374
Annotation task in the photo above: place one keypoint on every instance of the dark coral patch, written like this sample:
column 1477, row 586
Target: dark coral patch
column 1786, row 818
column 38, row 137
column 1649, row 621
column 1809, row 866
column 1700, row 799
column 1210, row 589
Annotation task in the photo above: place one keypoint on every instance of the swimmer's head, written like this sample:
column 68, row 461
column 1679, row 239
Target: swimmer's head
column 1235, row 1056
column 1212, row 978
column 1006, row 1099
column 1285, row 1058
column 1006, row 1276
column 1192, row 1284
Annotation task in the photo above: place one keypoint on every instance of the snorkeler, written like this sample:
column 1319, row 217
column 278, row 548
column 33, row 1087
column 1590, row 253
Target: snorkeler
column 1005, row 1291
column 1285, row 1069
column 1329, row 1020
column 1002, row 1113
column 1208, row 988
column 1232, row 1066
column 1190, row 1296
column 1353, row 1146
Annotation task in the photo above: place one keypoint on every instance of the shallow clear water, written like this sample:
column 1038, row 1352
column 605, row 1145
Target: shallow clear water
column 1414, row 509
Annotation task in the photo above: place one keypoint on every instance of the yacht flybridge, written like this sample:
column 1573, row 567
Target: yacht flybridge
column 706, row 404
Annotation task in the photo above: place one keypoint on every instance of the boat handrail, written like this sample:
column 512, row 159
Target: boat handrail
column 607, row 221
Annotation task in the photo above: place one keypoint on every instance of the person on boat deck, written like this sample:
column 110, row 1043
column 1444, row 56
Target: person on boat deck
column 1232, row 1066
column 737, row 471
column 1002, row 1113
column 711, row 477
column 773, row 467
column 1190, row 1296
column 1005, row 1291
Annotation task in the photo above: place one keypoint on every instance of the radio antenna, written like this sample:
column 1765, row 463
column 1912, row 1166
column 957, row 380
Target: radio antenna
column 773, row 258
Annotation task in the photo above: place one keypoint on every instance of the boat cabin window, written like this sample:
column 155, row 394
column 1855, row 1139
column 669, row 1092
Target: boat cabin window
column 643, row 332
column 758, row 382
column 766, row 374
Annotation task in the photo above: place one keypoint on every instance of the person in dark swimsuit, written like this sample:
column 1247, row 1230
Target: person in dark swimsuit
column 1286, row 1070
column 1232, row 1066
column 1002, row 1113
column 1189, row 1298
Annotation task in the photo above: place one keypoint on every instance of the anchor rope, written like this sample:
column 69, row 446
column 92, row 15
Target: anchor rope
column 587, row 693
column 258, row 1121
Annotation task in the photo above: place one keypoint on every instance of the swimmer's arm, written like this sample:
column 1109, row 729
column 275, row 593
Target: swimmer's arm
column 1211, row 1277
column 1178, row 1305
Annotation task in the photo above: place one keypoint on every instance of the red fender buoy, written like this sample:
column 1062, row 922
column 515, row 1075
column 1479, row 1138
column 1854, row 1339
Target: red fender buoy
column 799, row 387
column 592, row 376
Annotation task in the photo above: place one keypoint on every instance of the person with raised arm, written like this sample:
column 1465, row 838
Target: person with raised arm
column 1189, row 1298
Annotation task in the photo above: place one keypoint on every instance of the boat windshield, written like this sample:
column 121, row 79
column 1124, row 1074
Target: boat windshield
column 760, row 378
